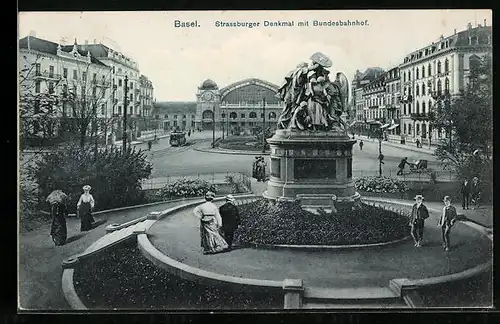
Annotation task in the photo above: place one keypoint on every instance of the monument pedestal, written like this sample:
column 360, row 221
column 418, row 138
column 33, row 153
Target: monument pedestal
column 312, row 167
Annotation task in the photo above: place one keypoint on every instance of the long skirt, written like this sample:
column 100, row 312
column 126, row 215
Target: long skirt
column 58, row 230
column 85, row 213
column 211, row 238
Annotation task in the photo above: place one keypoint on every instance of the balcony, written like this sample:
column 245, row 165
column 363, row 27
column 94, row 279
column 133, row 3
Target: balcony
column 47, row 75
column 419, row 116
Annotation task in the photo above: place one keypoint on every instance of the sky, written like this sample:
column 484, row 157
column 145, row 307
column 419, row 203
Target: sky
column 177, row 60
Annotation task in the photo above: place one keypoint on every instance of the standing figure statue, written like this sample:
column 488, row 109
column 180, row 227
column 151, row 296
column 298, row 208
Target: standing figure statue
column 312, row 101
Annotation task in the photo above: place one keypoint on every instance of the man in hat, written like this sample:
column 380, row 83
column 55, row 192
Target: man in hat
column 401, row 166
column 230, row 219
column 475, row 192
column 419, row 214
column 446, row 222
column 465, row 191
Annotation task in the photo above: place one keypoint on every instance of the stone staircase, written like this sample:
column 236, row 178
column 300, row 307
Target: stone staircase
column 327, row 298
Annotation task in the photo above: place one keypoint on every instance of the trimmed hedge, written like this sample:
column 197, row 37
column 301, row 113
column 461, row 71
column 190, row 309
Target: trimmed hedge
column 185, row 187
column 381, row 185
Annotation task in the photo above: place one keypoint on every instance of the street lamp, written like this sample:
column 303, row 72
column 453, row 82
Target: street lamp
column 213, row 126
column 125, row 115
column 263, row 124
column 380, row 135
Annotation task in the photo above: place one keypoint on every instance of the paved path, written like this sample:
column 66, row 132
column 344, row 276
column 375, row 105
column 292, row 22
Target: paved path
column 40, row 260
column 178, row 237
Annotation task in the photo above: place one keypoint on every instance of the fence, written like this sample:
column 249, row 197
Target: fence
column 213, row 178
column 441, row 175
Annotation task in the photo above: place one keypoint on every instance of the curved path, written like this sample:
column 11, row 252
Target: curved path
column 178, row 237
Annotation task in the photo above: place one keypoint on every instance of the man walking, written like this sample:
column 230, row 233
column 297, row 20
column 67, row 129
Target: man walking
column 465, row 191
column 475, row 193
column 419, row 214
column 361, row 145
column 230, row 219
column 401, row 166
column 446, row 222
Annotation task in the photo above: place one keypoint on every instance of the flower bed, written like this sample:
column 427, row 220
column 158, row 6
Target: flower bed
column 267, row 222
column 381, row 185
column 184, row 188
column 124, row 279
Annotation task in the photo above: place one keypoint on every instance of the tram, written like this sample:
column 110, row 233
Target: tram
column 177, row 138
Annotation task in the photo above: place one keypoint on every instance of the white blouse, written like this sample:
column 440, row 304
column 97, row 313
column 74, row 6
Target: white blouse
column 86, row 197
column 208, row 209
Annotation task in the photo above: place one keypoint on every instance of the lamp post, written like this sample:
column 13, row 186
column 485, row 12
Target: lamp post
column 213, row 127
column 227, row 122
column 125, row 116
column 263, row 124
column 380, row 155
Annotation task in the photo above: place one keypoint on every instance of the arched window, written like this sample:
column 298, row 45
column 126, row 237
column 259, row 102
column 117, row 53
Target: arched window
column 429, row 105
column 423, row 107
column 272, row 115
column 447, row 84
column 423, row 71
column 439, row 67
column 417, row 90
column 409, row 75
column 418, row 107
column 429, row 69
column 207, row 114
column 404, row 76
column 446, row 65
column 417, row 74
column 423, row 89
column 439, row 87
column 253, row 114
column 233, row 115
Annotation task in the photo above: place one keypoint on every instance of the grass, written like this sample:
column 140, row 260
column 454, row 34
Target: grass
column 124, row 279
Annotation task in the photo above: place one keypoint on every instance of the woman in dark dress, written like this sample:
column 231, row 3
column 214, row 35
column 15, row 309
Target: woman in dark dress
column 59, row 212
column 85, row 206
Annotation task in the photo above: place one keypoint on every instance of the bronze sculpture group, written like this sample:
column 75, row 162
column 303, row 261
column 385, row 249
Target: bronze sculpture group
column 312, row 101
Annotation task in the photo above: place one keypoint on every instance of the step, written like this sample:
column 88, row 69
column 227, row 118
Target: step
column 373, row 305
column 364, row 293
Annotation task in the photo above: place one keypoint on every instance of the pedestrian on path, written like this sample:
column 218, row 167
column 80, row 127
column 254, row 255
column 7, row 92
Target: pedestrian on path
column 84, row 209
column 418, row 142
column 210, row 226
column 59, row 211
column 475, row 192
column 401, row 166
column 361, row 145
column 419, row 214
column 465, row 191
column 446, row 222
column 150, row 144
column 230, row 219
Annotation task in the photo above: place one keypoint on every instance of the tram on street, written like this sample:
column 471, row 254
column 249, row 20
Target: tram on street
column 177, row 138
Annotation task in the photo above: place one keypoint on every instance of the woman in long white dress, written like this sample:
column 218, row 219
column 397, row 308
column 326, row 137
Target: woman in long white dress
column 84, row 207
column 210, row 226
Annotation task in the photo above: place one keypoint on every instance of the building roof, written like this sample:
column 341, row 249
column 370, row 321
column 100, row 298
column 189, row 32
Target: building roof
column 171, row 107
column 45, row 46
column 208, row 84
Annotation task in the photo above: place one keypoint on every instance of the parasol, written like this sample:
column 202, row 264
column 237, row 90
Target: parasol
column 321, row 59
column 57, row 196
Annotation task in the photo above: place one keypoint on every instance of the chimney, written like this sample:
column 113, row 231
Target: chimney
column 32, row 33
column 484, row 23
column 95, row 41
column 455, row 32
column 469, row 26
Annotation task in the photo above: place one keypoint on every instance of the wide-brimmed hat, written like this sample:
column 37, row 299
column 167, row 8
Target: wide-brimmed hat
column 418, row 196
column 209, row 195
column 446, row 198
column 230, row 198
column 475, row 178
column 86, row 187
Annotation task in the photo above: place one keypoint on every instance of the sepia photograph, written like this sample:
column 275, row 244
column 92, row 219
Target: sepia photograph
column 255, row 160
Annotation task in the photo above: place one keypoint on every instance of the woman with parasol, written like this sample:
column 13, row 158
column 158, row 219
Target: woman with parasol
column 57, row 200
column 84, row 207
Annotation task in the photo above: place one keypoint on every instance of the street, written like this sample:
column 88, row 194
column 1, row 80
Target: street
column 186, row 160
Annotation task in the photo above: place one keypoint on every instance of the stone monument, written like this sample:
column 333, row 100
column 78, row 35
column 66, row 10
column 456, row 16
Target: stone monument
column 311, row 152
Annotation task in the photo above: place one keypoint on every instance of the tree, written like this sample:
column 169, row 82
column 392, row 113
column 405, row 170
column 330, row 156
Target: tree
column 469, row 122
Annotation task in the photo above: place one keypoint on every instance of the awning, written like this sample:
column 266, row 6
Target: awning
column 385, row 125
column 393, row 126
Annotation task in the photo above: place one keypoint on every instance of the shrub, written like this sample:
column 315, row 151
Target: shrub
column 186, row 188
column 115, row 177
column 381, row 185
